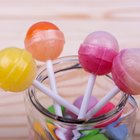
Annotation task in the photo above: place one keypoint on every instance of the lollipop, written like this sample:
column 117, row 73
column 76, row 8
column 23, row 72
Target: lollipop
column 17, row 69
column 96, row 54
column 45, row 42
column 125, row 73
column 17, row 72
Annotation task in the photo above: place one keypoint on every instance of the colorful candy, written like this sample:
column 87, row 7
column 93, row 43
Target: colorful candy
column 96, row 55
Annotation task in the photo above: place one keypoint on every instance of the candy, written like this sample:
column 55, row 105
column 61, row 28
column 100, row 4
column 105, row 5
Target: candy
column 97, row 52
column 87, row 132
column 125, row 71
column 17, row 69
column 44, row 40
column 17, row 73
column 104, row 110
column 108, row 107
column 52, row 128
column 94, row 137
column 40, row 131
column 51, row 109
column 91, row 133
column 92, row 102
column 96, row 55
column 115, row 132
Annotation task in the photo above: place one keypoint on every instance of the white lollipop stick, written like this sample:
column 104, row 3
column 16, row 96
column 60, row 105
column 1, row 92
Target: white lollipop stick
column 87, row 95
column 84, row 105
column 55, row 97
column 102, row 102
column 52, row 80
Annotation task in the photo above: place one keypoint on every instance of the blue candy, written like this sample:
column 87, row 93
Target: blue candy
column 115, row 132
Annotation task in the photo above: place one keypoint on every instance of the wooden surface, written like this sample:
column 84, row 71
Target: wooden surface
column 76, row 18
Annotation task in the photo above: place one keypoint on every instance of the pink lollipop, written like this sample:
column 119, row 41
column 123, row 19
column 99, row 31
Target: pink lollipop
column 96, row 54
column 125, row 73
column 45, row 41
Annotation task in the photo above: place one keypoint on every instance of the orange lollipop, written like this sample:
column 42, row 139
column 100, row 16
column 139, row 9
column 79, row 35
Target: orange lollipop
column 45, row 41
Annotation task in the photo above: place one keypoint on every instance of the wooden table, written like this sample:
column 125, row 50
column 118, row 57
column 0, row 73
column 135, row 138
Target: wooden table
column 76, row 18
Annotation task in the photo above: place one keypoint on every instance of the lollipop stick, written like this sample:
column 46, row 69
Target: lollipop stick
column 87, row 95
column 51, row 77
column 102, row 102
column 55, row 97
column 84, row 105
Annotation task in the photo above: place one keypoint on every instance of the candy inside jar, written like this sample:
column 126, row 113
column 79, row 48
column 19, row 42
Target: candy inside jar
column 71, row 82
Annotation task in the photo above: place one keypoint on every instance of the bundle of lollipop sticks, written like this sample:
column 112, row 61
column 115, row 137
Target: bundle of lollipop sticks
column 98, row 54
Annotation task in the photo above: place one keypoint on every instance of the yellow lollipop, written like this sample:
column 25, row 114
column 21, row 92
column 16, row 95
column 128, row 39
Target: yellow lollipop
column 17, row 69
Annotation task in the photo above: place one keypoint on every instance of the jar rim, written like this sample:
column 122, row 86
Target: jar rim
column 33, row 99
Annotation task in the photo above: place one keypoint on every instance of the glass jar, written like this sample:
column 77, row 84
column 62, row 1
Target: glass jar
column 71, row 79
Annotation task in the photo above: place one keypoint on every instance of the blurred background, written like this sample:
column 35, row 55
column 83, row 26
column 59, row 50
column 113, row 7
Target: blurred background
column 76, row 18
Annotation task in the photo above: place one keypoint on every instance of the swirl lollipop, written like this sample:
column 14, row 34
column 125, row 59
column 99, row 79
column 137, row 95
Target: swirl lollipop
column 96, row 55
column 125, row 73
column 45, row 41
column 18, row 71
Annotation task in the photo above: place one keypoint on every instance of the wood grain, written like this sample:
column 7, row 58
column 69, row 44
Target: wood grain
column 76, row 18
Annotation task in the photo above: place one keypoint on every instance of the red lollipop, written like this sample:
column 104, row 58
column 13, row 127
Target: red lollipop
column 96, row 55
